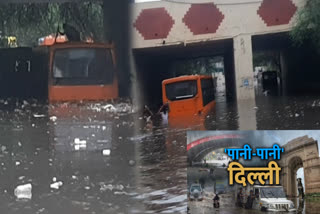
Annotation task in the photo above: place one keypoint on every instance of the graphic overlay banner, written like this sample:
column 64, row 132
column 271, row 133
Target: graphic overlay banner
column 243, row 175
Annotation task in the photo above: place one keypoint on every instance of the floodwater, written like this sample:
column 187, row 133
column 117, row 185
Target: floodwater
column 99, row 158
column 267, row 113
column 88, row 158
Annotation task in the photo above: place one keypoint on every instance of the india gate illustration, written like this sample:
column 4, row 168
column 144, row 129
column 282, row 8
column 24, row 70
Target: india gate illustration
column 300, row 152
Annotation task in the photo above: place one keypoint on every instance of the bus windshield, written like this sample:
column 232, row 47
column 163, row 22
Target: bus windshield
column 181, row 90
column 83, row 66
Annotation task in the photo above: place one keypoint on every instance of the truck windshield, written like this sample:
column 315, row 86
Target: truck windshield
column 272, row 192
column 193, row 188
column 83, row 66
column 181, row 90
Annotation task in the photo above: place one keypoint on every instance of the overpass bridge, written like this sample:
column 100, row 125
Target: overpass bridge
column 200, row 143
column 173, row 29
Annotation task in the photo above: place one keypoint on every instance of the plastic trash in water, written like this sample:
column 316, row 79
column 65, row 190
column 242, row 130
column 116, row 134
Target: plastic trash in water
column 106, row 152
column 79, row 144
column 53, row 118
column 56, row 185
column 23, row 191
column 39, row 115
column 109, row 108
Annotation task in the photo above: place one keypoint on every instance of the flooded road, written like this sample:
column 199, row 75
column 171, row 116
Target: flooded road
column 88, row 158
column 266, row 113
column 101, row 158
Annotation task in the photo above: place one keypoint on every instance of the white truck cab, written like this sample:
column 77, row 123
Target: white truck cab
column 271, row 198
column 196, row 192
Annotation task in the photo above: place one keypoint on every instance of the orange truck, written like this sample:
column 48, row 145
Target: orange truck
column 79, row 71
column 189, row 99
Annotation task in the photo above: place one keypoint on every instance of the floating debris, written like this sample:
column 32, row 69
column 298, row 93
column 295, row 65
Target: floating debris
column 104, row 187
column 109, row 108
column 23, row 191
column 106, row 152
column 56, row 185
column 80, row 144
column 132, row 162
column 53, row 118
column 3, row 148
column 39, row 115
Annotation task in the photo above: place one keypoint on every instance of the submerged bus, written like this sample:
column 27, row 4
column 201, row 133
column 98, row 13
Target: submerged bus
column 188, row 97
column 79, row 71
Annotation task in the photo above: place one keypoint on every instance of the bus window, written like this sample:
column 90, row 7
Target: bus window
column 181, row 90
column 207, row 88
column 83, row 66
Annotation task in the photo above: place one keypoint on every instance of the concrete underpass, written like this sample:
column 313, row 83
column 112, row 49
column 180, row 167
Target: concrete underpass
column 153, row 65
column 297, row 64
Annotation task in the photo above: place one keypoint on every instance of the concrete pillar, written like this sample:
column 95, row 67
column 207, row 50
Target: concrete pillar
column 284, row 72
column 284, row 178
column 229, row 74
column 243, row 63
column 116, row 28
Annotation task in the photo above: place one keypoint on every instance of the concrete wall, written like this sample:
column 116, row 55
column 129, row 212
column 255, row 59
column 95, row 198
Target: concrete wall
column 116, row 16
column 164, row 23
column 154, row 22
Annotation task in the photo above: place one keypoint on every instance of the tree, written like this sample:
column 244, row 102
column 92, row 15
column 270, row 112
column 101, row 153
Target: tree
column 307, row 27
column 202, row 65
column 28, row 22
column 269, row 59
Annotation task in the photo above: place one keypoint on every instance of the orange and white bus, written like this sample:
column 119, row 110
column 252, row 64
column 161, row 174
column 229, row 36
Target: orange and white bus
column 188, row 97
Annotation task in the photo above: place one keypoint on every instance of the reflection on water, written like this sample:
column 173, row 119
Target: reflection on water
column 163, row 171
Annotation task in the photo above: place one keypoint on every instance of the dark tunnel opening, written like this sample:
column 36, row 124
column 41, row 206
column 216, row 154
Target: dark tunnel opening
column 296, row 65
column 23, row 74
column 154, row 65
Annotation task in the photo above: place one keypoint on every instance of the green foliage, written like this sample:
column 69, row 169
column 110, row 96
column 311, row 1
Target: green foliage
column 270, row 59
column 308, row 24
column 313, row 197
column 203, row 65
column 28, row 22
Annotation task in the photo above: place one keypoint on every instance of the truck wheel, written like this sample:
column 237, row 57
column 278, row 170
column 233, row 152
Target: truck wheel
column 263, row 209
